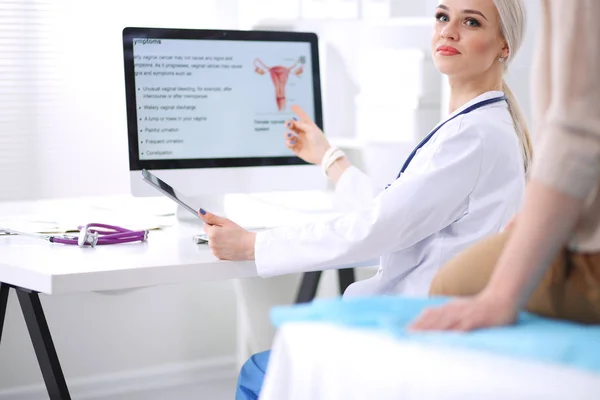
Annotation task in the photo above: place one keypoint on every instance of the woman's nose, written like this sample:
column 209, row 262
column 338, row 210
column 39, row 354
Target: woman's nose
column 450, row 31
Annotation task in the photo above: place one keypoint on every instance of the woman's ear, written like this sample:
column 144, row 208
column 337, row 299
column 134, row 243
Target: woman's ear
column 505, row 50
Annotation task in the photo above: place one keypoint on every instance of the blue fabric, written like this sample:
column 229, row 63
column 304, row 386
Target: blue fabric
column 252, row 376
column 533, row 337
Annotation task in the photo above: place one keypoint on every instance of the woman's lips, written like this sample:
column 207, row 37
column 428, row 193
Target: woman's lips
column 448, row 51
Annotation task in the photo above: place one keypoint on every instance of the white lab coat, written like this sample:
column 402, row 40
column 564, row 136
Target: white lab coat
column 463, row 185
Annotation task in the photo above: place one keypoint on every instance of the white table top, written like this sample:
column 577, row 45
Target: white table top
column 168, row 257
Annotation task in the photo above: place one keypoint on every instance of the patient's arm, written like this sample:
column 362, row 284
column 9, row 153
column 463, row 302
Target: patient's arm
column 543, row 228
column 565, row 169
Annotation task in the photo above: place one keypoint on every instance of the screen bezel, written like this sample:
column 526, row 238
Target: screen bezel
column 135, row 164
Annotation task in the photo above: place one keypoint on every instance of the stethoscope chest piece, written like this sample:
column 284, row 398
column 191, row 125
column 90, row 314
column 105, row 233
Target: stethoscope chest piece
column 87, row 238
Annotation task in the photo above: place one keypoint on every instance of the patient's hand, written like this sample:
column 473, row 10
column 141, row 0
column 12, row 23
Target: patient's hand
column 466, row 314
column 228, row 240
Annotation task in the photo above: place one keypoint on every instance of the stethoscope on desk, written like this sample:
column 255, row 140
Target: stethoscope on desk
column 423, row 142
column 90, row 235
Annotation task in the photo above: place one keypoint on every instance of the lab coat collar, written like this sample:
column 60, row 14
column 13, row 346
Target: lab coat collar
column 482, row 97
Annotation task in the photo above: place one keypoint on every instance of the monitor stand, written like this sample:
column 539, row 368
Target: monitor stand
column 214, row 204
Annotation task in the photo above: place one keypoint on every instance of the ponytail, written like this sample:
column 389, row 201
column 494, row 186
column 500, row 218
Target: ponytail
column 520, row 126
column 512, row 21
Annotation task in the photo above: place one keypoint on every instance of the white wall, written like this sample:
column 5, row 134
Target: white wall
column 86, row 126
column 94, row 333
column 97, row 334
column 519, row 74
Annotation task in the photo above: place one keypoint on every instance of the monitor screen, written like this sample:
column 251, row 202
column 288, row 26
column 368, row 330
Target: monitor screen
column 206, row 99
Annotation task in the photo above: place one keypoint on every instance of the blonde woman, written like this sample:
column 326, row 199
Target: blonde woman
column 549, row 261
column 461, row 184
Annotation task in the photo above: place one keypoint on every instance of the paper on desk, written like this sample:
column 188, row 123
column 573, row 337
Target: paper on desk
column 271, row 210
column 36, row 224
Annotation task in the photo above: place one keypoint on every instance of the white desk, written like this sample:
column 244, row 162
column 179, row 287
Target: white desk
column 168, row 257
column 32, row 266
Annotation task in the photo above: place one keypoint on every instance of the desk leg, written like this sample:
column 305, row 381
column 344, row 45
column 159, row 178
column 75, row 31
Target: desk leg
column 3, row 303
column 308, row 287
column 310, row 284
column 43, row 345
column 345, row 278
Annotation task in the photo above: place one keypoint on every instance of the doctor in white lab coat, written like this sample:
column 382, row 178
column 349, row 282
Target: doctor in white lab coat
column 465, row 182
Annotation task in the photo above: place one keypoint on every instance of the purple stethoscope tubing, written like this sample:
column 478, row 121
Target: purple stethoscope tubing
column 116, row 234
column 110, row 234
column 90, row 235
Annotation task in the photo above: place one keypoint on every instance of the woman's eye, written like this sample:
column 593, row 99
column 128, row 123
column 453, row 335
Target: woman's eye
column 472, row 22
column 442, row 18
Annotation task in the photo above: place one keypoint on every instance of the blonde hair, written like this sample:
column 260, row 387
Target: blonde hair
column 512, row 22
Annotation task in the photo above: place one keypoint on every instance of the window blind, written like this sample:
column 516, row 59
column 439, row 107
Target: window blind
column 23, row 85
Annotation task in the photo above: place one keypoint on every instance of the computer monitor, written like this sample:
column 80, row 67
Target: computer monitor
column 206, row 110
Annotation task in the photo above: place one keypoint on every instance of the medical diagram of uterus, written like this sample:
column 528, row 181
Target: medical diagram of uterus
column 279, row 76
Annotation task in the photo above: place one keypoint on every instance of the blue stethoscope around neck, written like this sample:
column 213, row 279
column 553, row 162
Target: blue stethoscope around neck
column 467, row 110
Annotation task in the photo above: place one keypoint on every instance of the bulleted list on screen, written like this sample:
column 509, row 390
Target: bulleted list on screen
column 170, row 115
